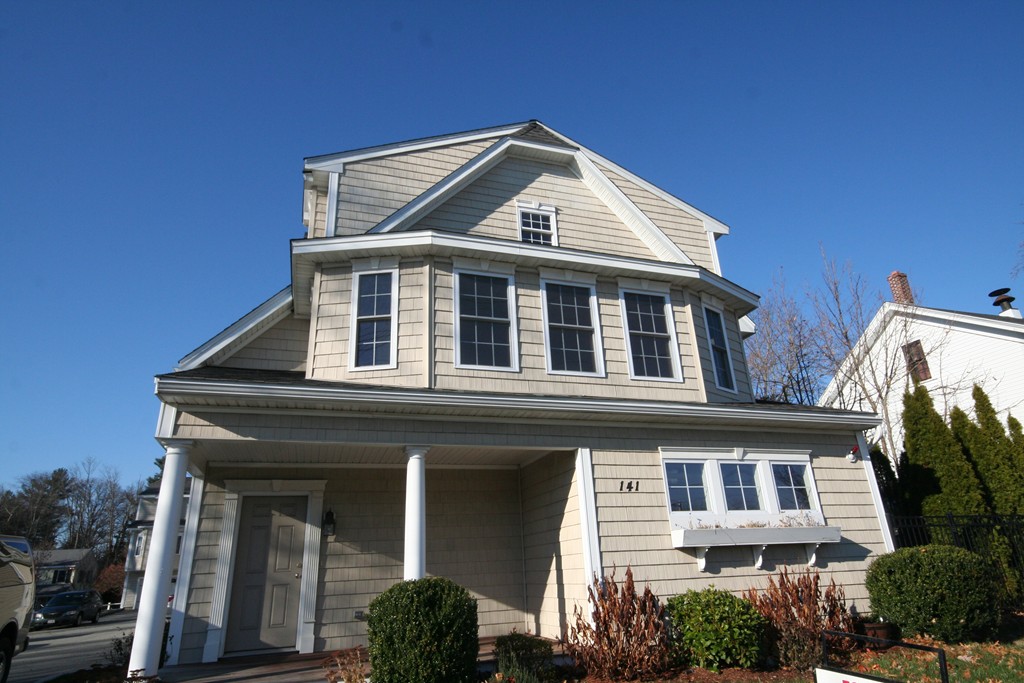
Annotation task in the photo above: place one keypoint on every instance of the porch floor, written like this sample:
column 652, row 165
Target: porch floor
column 276, row 668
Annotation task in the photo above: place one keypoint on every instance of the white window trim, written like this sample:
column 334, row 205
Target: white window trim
column 354, row 318
column 530, row 206
column 677, row 370
column 717, row 516
column 599, row 370
column 513, row 312
column 711, row 347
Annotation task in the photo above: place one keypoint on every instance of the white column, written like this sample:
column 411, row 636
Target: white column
column 149, row 625
column 415, row 513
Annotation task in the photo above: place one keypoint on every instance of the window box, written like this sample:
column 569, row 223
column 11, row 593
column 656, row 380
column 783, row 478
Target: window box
column 759, row 538
column 692, row 538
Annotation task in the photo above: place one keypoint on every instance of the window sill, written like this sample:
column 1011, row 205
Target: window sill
column 759, row 537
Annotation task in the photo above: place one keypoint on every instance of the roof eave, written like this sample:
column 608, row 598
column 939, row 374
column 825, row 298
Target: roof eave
column 206, row 394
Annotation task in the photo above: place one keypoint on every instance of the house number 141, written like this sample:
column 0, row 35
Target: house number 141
column 629, row 486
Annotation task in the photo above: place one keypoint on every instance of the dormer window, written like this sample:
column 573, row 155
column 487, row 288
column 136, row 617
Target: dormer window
column 537, row 223
column 374, row 311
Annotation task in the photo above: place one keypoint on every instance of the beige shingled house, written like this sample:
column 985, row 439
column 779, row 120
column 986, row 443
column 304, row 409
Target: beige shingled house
column 504, row 359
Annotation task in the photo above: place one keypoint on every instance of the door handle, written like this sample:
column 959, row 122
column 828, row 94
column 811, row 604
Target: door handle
column 298, row 575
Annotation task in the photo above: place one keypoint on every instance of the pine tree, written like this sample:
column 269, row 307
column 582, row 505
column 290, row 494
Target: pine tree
column 992, row 453
column 888, row 483
column 939, row 477
column 1017, row 439
column 972, row 444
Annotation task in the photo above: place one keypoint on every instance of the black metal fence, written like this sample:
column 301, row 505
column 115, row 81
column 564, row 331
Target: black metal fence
column 998, row 538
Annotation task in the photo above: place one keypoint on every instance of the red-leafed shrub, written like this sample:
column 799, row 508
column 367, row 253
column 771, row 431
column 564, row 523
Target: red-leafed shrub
column 628, row 639
column 798, row 611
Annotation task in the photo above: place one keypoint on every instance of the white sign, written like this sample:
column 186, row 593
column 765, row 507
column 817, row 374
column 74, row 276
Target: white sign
column 825, row 676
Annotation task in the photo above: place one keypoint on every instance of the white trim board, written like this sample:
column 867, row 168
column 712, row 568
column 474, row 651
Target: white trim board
column 269, row 313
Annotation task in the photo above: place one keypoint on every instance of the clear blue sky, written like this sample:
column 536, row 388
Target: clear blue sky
column 151, row 157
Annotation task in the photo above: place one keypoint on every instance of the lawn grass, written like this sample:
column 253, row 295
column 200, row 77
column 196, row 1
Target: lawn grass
column 994, row 662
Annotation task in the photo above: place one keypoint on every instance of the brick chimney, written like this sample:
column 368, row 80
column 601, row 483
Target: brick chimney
column 900, row 286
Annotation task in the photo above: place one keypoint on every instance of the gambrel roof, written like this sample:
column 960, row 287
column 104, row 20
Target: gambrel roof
column 524, row 133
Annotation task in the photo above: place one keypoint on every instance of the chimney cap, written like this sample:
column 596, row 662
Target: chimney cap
column 999, row 292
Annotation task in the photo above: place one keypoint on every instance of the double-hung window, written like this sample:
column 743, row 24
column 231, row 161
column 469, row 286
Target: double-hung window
column 484, row 311
column 719, row 349
column 573, row 337
column 537, row 223
column 374, row 312
column 650, row 335
column 737, row 487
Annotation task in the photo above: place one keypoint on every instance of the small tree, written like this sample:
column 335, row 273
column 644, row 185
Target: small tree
column 110, row 582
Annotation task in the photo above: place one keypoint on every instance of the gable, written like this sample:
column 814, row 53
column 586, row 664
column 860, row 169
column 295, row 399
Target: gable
column 488, row 207
column 371, row 190
column 685, row 229
column 283, row 346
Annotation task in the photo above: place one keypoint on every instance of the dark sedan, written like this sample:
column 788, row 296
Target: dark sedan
column 70, row 608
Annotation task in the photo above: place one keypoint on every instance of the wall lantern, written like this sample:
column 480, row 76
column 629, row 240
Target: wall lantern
column 328, row 525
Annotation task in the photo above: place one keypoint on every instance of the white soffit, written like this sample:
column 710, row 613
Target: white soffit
column 267, row 314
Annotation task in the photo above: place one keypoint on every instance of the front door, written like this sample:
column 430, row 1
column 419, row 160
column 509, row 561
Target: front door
column 264, row 607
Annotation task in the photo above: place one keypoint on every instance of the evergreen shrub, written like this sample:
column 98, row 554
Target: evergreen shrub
column 942, row 591
column 423, row 631
column 713, row 628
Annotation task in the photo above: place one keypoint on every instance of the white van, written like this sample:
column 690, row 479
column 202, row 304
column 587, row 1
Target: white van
column 17, row 593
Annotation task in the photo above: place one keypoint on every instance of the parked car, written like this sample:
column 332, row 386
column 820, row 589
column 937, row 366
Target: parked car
column 70, row 608
column 17, row 591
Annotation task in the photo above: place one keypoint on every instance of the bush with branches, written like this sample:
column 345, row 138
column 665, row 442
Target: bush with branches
column 628, row 638
column 797, row 611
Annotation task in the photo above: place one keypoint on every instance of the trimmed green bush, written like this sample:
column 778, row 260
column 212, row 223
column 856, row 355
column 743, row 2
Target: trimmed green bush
column 942, row 591
column 713, row 629
column 423, row 631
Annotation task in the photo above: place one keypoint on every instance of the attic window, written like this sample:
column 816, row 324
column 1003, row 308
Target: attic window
column 917, row 364
column 537, row 223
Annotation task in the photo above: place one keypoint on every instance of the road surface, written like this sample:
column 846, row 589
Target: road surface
column 56, row 651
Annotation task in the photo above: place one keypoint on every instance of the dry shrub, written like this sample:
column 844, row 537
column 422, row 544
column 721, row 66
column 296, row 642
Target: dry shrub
column 346, row 666
column 797, row 612
column 628, row 638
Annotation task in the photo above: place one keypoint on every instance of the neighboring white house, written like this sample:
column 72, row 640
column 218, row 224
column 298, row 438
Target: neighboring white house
column 947, row 351
column 504, row 359
column 140, row 532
